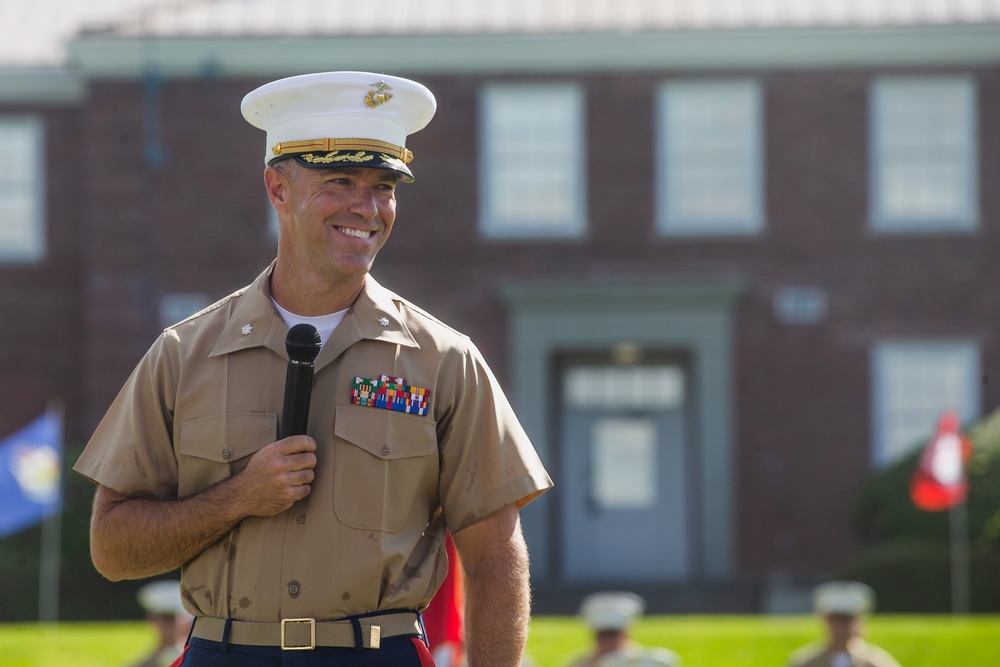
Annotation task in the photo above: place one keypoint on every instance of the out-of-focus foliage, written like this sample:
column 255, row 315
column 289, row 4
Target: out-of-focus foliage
column 84, row 594
column 908, row 557
column 884, row 511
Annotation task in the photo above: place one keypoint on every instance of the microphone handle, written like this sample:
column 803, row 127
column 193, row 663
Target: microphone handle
column 298, row 392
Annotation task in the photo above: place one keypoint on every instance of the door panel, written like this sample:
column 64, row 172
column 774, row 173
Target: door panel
column 623, row 478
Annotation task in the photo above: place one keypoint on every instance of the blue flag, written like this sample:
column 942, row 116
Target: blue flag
column 30, row 474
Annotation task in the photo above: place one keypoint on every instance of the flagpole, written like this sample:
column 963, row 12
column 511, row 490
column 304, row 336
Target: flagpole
column 959, row 521
column 940, row 482
column 50, row 565
column 49, row 570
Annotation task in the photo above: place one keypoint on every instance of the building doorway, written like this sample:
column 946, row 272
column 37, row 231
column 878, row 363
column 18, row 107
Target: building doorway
column 624, row 470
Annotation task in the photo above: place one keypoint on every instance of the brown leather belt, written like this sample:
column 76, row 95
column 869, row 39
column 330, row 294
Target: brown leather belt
column 297, row 634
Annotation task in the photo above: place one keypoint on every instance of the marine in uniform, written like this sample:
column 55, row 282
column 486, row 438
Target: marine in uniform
column 610, row 615
column 161, row 601
column 842, row 605
column 328, row 542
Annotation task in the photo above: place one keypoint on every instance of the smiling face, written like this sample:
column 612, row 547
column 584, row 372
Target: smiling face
column 332, row 222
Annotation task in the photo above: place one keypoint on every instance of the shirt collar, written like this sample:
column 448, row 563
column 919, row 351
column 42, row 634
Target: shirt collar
column 255, row 323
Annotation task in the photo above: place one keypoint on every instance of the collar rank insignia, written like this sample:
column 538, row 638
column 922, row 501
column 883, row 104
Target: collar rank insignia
column 391, row 394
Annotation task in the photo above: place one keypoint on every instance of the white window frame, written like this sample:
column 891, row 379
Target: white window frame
column 565, row 166
column 677, row 143
column 888, row 97
column 178, row 306
column 908, row 365
column 29, row 245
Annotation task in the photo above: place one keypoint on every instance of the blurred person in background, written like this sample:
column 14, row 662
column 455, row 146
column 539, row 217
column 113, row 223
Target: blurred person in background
column 610, row 616
column 161, row 600
column 843, row 606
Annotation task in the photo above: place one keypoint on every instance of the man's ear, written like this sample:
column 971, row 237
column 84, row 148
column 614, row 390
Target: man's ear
column 276, row 183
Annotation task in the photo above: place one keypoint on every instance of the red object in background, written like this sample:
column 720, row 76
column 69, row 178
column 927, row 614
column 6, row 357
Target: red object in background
column 939, row 481
column 444, row 618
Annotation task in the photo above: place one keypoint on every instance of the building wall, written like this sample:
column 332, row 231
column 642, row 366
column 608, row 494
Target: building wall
column 805, row 396
column 177, row 207
column 40, row 334
column 129, row 223
column 803, row 391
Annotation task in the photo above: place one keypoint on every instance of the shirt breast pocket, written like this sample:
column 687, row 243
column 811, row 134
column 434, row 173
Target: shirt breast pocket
column 217, row 447
column 386, row 467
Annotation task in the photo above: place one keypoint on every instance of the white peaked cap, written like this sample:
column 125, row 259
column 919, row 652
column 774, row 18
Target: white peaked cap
column 358, row 119
column 161, row 597
column 850, row 598
column 611, row 610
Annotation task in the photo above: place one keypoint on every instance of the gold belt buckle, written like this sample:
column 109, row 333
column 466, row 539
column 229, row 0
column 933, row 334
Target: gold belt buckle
column 312, row 634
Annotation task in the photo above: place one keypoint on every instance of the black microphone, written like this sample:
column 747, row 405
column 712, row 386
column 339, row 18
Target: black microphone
column 302, row 343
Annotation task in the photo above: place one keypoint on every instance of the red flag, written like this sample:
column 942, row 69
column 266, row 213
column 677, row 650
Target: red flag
column 444, row 618
column 939, row 481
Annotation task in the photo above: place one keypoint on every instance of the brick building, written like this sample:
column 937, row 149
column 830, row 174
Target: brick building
column 725, row 261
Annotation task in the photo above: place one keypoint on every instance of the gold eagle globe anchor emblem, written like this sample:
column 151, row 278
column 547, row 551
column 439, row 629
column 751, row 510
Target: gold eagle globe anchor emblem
column 380, row 95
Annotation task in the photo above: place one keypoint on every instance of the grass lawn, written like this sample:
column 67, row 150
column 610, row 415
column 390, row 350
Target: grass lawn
column 702, row 641
column 761, row 641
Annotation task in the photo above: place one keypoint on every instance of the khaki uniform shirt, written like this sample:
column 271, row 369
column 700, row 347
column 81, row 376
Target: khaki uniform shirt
column 862, row 654
column 370, row 536
column 632, row 656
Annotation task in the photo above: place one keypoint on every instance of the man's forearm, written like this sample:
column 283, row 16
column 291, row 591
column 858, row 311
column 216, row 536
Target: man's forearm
column 133, row 538
column 498, row 593
column 498, row 606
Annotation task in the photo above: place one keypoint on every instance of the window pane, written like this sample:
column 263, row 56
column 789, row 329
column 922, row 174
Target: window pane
column 709, row 177
column 924, row 158
column 179, row 306
column 14, row 208
column 624, row 387
column 624, row 464
column 21, row 234
column 915, row 384
column 532, row 160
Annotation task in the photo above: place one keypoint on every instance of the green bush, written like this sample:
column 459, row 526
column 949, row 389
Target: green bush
column 915, row 577
column 907, row 555
column 884, row 512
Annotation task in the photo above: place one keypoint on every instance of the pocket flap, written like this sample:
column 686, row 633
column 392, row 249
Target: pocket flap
column 384, row 433
column 228, row 437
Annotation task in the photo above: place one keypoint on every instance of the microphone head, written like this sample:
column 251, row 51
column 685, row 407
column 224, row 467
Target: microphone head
column 303, row 343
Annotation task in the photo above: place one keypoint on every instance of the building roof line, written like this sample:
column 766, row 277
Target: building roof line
column 94, row 56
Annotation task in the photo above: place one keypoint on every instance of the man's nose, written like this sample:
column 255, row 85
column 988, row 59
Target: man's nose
column 363, row 202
